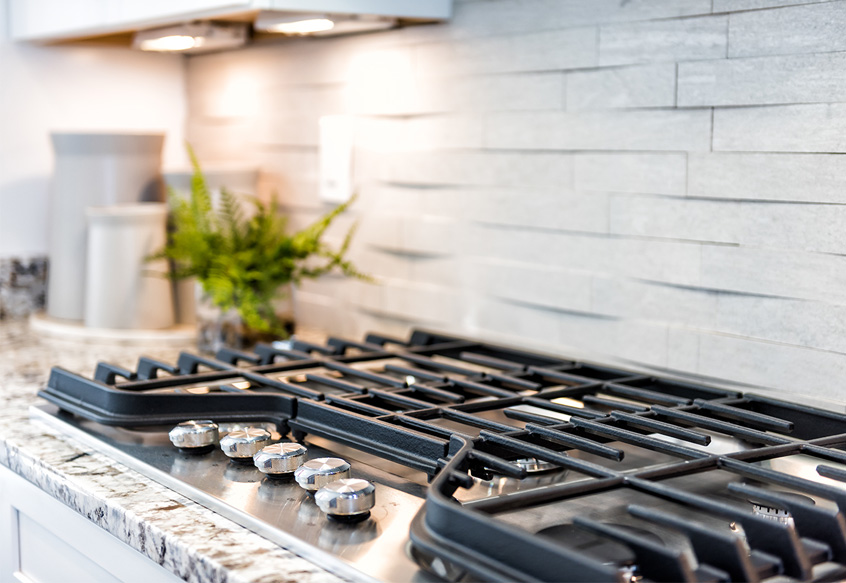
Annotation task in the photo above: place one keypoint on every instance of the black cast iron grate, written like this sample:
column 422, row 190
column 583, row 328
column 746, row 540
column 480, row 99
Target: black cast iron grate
column 472, row 415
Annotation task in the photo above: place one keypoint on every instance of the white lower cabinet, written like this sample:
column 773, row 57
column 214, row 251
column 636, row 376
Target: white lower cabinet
column 44, row 541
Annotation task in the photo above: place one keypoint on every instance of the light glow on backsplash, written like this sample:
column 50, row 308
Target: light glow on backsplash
column 237, row 97
column 662, row 198
column 381, row 83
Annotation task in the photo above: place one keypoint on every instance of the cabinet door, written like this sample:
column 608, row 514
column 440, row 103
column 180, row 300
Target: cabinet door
column 156, row 11
column 35, row 19
column 43, row 557
column 58, row 19
column 43, row 541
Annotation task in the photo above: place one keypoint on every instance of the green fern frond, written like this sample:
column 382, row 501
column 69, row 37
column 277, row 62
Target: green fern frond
column 244, row 259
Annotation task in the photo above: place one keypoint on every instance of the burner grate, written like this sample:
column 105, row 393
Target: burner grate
column 470, row 413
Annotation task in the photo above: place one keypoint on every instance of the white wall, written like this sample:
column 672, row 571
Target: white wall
column 43, row 89
column 658, row 182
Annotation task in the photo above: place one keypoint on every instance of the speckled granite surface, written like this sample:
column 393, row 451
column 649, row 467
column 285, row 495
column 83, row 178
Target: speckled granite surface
column 182, row 536
column 23, row 285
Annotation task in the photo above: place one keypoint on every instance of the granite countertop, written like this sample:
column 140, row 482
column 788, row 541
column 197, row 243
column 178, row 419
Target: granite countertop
column 185, row 538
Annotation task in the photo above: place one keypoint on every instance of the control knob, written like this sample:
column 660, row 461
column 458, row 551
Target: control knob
column 279, row 460
column 195, row 436
column 316, row 473
column 242, row 444
column 347, row 500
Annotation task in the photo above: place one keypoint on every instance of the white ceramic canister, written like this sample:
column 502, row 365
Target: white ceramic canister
column 92, row 169
column 122, row 289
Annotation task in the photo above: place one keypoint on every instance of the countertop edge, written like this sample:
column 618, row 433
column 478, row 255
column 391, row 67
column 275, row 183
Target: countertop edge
column 187, row 539
column 75, row 478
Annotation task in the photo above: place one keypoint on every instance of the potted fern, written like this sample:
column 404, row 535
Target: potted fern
column 244, row 260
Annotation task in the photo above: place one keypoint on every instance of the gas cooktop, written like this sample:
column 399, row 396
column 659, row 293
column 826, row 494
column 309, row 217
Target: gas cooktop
column 470, row 461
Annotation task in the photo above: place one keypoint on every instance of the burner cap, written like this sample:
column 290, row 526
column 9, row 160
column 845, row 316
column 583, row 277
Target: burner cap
column 602, row 549
column 437, row 566
column 533, row 465
column 764, row 509
column 790, row 496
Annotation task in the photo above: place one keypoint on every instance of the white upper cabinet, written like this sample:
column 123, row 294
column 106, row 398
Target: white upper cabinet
column 56, row 20
column 47, row 20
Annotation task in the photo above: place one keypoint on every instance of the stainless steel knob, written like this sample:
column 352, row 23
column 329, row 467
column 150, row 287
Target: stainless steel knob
column 243, row 444
column 347, row 500
column 195, row 436
column 279, row 460
column 316, row 473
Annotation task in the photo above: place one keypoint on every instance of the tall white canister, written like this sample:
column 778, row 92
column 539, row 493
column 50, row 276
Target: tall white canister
column 92, row 169
column 123, row 290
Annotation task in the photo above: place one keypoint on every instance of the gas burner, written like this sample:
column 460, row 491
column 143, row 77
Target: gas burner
column 604, row 550
column 441, row 568
column 774, row 512
column 535, row 466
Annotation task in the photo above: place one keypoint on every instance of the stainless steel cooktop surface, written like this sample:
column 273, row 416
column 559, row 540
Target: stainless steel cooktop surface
column 280, row 510
column 541, row 468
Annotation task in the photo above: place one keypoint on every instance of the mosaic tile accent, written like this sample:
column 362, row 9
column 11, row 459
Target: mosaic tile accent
column 23, row 286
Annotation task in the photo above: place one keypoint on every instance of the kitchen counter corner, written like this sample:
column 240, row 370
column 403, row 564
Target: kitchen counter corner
column 182, row 536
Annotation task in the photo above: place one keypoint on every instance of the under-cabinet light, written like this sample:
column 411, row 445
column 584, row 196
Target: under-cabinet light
column 174, row 42
column 319, row 24
column 192, row 37
column 307, row 26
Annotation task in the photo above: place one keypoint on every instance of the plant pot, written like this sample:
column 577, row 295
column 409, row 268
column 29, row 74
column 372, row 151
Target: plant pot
column 218, row 329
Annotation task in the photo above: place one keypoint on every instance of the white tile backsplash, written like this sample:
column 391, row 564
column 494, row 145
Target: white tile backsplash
column 650, row 181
